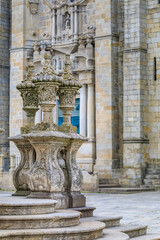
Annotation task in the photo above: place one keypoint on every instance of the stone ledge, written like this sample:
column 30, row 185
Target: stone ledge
column 131, row 230
column 87, row 230
column 52, row 220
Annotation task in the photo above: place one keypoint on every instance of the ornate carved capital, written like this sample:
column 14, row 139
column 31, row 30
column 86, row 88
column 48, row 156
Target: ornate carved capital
column 34, row 4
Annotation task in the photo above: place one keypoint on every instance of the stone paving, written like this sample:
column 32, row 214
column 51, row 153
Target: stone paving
column 140, row 208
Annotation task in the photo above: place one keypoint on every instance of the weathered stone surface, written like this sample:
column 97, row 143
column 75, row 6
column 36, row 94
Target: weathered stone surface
column 22, row 206
column 51, row 220
column 84, row 231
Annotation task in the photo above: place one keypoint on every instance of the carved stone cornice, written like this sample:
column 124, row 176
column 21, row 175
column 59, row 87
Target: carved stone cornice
column 61, row 3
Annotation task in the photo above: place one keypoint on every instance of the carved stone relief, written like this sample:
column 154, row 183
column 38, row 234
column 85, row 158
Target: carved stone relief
column 34, row 4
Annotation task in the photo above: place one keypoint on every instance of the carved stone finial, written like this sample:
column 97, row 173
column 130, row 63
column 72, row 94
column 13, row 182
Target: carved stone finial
column 29, row 94
column 34, row 6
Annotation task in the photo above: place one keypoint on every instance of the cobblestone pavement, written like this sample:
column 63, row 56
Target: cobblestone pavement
column 140, row 208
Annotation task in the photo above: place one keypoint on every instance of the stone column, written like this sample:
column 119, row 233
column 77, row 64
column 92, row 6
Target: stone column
column 58, row 23
column 53, row 26
column 55, row 116
column 12, row 163
column 135, row 95
column 72, row 22
column 75, row 23
column 91, row 112
column 1, row 163
column 38, row 118
column 83, row 111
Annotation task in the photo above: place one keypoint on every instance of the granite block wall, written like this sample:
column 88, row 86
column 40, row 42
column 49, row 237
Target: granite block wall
column 4, row 75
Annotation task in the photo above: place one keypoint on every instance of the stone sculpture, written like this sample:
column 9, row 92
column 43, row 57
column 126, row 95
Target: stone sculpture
column 48, row 165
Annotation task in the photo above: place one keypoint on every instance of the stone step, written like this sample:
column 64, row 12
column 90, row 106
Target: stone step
column 152, row 176
column 109, row 221
column 131, row 230
column 152, row 182
column 25, row 206
column 85, row 230
column 126, row 190
column 153, row 171
column 108, row 181
column 148, row 237
column 61, row 218
column 85, row 211
column 113, row 235
column 109, row 185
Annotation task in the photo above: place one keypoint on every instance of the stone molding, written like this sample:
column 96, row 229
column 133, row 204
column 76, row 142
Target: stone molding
column 136, row 140
column 63, row 3
column 138, row 49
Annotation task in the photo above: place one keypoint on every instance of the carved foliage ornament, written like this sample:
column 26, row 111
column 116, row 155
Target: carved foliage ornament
column 45, row 93
column 67, row 97
column 34, row 4
column 30, row 99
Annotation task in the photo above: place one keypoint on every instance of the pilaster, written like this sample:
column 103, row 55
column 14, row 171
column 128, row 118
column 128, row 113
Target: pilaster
column 106, row 56
column 135, row 102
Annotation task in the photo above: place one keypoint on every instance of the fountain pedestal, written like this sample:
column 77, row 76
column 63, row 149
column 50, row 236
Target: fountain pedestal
column 54, row 173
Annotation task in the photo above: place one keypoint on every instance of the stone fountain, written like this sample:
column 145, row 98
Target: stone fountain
column 48, row 178
column 48, row 167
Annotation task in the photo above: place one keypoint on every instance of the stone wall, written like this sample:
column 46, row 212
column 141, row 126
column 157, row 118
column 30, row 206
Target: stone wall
column 122, row 92
column 4, row 74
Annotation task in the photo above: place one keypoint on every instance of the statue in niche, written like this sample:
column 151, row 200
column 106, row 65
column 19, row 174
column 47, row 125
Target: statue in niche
column 67, row 21
column 62, row 163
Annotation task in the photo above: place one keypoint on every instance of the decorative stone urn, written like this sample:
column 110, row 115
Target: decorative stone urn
column 47, row 83
column 67, row 93
column 29, row 95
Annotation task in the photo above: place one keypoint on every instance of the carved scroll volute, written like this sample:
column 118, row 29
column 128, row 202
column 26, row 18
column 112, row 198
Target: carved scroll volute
column 20, row 177
column 75, row 173
column 57, row 173
column 46, row 175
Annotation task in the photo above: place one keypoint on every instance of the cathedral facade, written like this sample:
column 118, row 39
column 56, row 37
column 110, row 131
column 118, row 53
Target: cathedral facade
column 114, row 47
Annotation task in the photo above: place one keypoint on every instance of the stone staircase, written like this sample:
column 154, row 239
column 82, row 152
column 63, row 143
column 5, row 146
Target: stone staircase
column 38, row 219
column 111, row 186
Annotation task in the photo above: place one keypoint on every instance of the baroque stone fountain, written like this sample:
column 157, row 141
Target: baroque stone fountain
column 48, row 167
column 48, row 180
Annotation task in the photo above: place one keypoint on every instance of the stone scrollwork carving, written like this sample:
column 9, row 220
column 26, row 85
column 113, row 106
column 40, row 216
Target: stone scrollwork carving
column 29, row 99
column 39, row 180
column 45, row 94
column 20, row 177
column 76, row 176
column 34, row 4
column 46, row 174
